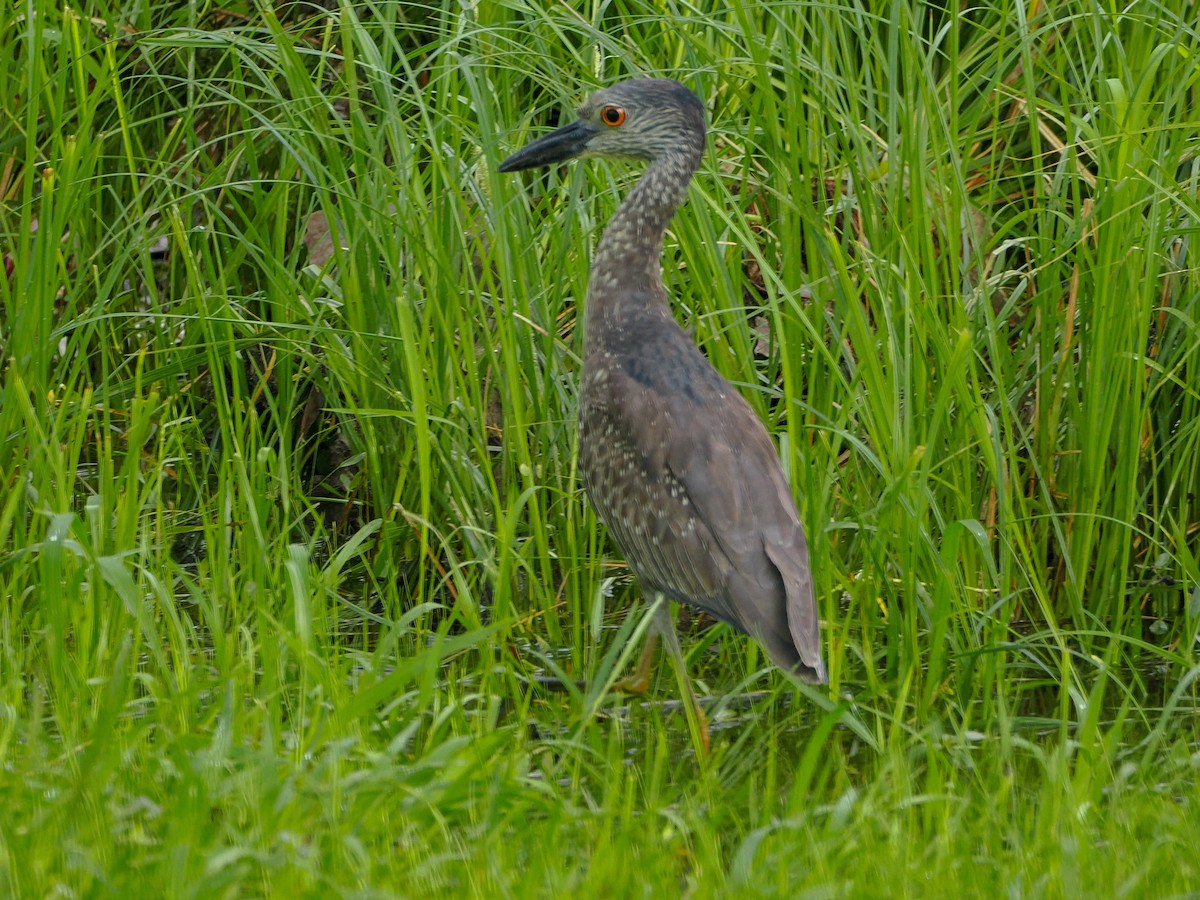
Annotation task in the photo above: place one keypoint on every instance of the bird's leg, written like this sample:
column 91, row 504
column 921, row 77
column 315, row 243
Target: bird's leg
column 697, row 720
column 638, row 682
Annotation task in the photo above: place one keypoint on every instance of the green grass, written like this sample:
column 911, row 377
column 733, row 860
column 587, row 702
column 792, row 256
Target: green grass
column 286, row 541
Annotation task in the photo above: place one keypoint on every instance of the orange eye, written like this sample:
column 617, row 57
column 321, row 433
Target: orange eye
column 612, row 115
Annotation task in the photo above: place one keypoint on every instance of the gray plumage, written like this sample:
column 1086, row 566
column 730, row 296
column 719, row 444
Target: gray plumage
column 674, row 460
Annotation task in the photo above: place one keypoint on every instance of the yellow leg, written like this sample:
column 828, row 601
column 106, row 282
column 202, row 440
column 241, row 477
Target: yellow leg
column 639, row 680
column 697, row 720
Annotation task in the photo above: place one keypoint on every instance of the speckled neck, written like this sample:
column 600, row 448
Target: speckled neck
column 627, row 268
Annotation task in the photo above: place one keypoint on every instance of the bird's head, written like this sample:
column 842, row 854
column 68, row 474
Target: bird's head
column 646, row 119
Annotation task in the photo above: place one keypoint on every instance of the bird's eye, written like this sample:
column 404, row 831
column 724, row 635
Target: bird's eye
column 612, row 115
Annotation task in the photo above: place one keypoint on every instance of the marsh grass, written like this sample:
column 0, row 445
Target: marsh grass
column 292, row 539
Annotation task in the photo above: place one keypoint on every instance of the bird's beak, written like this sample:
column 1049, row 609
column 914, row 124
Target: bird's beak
column 557, row 146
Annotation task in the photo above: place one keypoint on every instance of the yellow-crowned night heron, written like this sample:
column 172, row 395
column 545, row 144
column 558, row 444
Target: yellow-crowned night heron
column 674, row 460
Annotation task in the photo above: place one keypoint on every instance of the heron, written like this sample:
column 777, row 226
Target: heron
column 675, row 462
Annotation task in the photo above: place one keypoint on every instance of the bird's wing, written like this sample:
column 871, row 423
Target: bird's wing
column 731, row 472
column 718, row 506
column 665, row 540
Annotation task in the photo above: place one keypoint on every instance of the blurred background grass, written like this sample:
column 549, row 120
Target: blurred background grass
column 291, row 527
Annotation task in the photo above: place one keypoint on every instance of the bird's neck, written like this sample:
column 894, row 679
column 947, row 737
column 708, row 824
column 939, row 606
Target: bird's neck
column 627, row 267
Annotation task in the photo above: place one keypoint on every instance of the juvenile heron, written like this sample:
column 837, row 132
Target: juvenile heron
column 674, row 460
